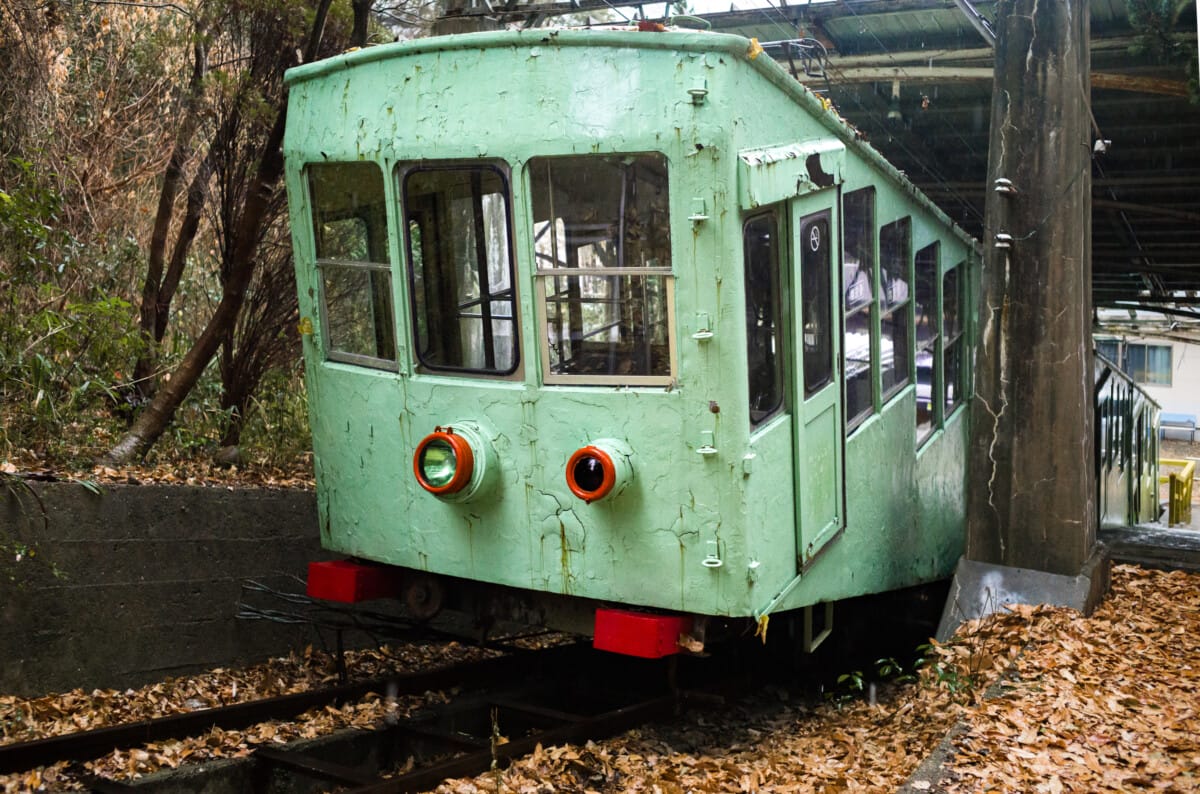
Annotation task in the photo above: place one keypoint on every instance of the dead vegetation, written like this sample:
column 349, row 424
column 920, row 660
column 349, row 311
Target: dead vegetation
column 1045, row 701
column 1107, row 703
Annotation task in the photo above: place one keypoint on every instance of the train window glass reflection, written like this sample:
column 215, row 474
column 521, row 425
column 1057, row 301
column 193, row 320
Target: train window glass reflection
column 602, row 243
column 815, row 291
column 460, row 269
column 858, row 276
column 894, row 265
column 764, row 355
column 928, row 339
column 350, row 235
column 953, row 344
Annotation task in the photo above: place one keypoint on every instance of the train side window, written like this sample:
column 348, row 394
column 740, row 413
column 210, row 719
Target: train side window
column 602, row 242
column 460, row 269
column 1109, row 422
column 952, row 335
column 858, row 279
column 894, row 266
column 764, row 338
column 1139, row 439
column 928, row 339
column 350, row 233
column 817, row 314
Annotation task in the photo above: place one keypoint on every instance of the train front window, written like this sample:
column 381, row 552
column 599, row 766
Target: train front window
column 350, row 233
column 460, row 269
column 858, row 289
column 602, row 243
column 894, row 265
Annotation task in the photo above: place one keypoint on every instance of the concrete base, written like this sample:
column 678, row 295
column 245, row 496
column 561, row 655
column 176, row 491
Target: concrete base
column 1155, row 546
column 138, row 582
column 981, row 589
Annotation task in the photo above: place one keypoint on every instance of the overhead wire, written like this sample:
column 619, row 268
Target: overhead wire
column 789, row 29
column 774, row 16
column 929, row 169
column 964, row 202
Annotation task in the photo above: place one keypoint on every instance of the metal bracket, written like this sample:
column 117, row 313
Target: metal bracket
column 1005, row 187
column 811, row 641
column 713, row 558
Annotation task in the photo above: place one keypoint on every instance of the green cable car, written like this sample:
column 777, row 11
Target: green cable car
column 624, row 332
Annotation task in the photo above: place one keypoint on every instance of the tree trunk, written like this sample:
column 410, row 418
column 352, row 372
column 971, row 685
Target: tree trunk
column 149, row 315
column 153, row 420
column 197, row 197
column 1031, row 494
column 362, row 22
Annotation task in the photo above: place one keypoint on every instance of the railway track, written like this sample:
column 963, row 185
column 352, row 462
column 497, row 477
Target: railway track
column 504, row 707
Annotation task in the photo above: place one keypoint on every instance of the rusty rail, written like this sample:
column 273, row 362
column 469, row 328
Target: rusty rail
column 17, row 757
column 1179, row 496
column 574, row 698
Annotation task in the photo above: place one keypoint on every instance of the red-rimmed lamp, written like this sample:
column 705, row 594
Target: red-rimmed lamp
column 444, row 462
column 599, row 470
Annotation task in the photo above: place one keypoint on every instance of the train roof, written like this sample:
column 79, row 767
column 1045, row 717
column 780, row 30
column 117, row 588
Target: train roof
column 671, row 39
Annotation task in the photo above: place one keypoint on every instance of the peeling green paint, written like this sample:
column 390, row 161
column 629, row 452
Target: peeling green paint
column 514, row 96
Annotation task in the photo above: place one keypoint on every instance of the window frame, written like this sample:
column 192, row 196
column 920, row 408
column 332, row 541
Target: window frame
column 818, row 365
column 776, row 298
column 934, row 345
column 1143, row 380
column 401, row 172
column 542, row 274
column 1120, row 347
column 869, row 308
column 887, row 310
column 371, row 267
column 957, row 344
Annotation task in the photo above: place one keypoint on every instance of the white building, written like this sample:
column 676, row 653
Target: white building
column 1160, row 352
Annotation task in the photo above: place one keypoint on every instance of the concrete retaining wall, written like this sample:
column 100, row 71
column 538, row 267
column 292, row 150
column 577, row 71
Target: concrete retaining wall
column 148, row 580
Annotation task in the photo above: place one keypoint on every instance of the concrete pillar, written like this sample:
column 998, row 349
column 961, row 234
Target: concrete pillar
column 1031, row 493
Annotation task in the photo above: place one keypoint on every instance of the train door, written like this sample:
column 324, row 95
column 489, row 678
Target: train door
column 819, row 432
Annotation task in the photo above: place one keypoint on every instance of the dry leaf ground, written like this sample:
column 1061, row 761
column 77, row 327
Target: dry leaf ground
column 1048, row 701
column 25, row 719
column 1045, row 701
column 196, row 471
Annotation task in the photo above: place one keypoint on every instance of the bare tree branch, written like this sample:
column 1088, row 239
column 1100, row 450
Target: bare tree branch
column 170, row 6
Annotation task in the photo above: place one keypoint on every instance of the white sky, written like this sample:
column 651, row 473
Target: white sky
column 717, row 6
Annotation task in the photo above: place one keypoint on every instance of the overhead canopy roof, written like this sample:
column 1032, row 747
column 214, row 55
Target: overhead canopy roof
column 1146, row 187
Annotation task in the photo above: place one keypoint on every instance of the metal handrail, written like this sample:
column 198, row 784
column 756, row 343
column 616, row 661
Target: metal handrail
column 1179, row 499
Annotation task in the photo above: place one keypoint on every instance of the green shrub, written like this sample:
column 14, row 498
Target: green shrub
column 65, row 336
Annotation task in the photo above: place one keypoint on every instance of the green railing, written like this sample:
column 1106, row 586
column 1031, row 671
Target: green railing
column 1179, row 498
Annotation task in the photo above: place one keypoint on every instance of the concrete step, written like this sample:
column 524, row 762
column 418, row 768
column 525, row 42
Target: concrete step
column 1154, row 547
